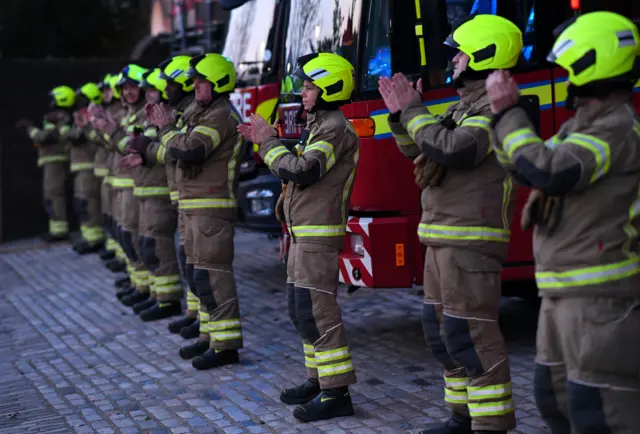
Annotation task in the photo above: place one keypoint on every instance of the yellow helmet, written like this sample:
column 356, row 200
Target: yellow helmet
column 113, row 84
column 92, row 92
column 105, row 81
column 597, row 46
column 131, row 74
column 216, row 69
column 175, row 70
column 491, row 41
column 151, row 79
column 333, row 74
column 63, row 96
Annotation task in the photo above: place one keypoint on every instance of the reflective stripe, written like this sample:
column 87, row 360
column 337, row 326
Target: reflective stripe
column 335, row 369
column 122, row 182
column 123, row 143
column 326, row 148
column 174, row 195
column 507, row 187
column 58, row 227
column 629, row 228
column 600, row 150
column 64, row 130
column 519, row 138
column 491, row 408
column 192, row 302
column 403, row 139
column 206, row 203
column 92, row 234
column 471, row 233
column 168, row 136
column 226, row 336
column 502, row 156
column 150, row 191
column 204, row 321
column 347, row 186
column 151, row 132
column 310, row 362
column 588, row 275
column 455, row 396
column 231, row 167
column 419, row 122
column 77, row 167
column 49, row 126
column 309, row 349
column 477, row 121
column 553, row 142
column 455, row 383
column 209, row 132
column 101, row 172
column 33, row 133
column 331, row 355
column 489, row 392
column 226, row 324
column 106, row 137
column 161, row 154
column 108, row 180
column 319, row 231
column 274, row 153
column 52, row 159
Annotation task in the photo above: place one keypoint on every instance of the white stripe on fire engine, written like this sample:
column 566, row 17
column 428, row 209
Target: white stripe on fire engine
column 363, row 222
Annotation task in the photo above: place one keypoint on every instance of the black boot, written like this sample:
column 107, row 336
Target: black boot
column 144, row 305
column 107, row 255
column 191, row 332
column 135, row 298
column 161, row 310
column 124, row 292
column 179, row 324
column 301, row 394
column 214, row 359
column 195, row 349
column 123, row 282
column 328, row 404
column 50, row 238
column 82, row 247
column 457, row 424
column 116, row 266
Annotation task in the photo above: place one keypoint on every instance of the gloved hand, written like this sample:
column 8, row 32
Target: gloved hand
column 428, row 172
column 280, row 204
column 190, row 171
column 542, row 210
column 139, row 143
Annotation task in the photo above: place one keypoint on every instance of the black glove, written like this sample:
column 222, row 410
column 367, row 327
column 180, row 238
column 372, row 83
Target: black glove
column 139, row 143
column 189, row 171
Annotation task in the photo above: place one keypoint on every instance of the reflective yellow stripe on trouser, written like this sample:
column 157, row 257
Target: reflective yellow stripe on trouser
column 141, row 279
column 494, row 400
column 310, row 360
column 112, row 245
column 225, row 330
column 92, row 234
column 332, row 363
column 455, row 393
column 204, row 323
column 58, row 227
column 193, row 304
column 463, row 233
column 167, row 287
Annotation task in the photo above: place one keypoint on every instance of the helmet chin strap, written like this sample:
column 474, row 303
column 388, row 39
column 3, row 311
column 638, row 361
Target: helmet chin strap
column 321, row 104
column 470, row 74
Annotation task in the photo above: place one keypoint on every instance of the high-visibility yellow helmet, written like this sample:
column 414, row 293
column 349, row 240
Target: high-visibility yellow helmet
column 113, row 84
column 491, row 41
column 597, row 46
column 63, row 96
column 151, row 79
column 104, row 82
column 92, row 92
column 216, row 69
column 132, row 74
column 175, row 70
column 332, row 73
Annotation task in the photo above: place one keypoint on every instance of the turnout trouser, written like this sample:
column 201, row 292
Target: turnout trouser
column 193, row 304
column 86, row 202
column 129, row 233
column 312, row 285
column 209, row 248
column 158, row 221
column 587, row 377
column 54, row 179
column 106, row 204
column 460, row 322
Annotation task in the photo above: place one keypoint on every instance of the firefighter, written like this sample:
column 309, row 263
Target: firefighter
column 587, row 375
column 468, row 202
column 208, row 152
column 319, row 184
column 158, row 217
column 125, row 203
column 86, row 186
column 53, row 157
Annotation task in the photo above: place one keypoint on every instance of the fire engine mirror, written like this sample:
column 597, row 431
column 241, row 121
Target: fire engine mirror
column 531, row 104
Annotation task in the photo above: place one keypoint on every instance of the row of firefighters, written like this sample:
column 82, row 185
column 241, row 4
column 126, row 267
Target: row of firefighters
column 157, row 152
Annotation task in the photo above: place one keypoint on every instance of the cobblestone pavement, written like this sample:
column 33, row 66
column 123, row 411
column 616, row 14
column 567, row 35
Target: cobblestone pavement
column 75, row 360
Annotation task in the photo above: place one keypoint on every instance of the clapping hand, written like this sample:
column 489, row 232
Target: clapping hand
column 502, row 91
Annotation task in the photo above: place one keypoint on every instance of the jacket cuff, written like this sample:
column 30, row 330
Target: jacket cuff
column 164, row 130
column 267, row 145
column 510, row 120
column 415, row 109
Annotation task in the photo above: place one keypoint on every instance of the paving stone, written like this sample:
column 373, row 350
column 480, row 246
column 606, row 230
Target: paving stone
column 74, row 359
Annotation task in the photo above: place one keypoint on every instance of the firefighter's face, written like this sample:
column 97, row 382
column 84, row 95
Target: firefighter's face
column 108, row 94
column 131, row 93
column 204, row 91
column 460, row 63
column 152, row 96
column 309, row 95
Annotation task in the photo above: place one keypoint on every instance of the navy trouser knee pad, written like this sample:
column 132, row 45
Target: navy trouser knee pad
column 460, row 345
column 307, row 327
column 431, row 330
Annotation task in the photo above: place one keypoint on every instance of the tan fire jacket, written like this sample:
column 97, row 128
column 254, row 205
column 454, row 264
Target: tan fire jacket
column 473, row 206
column 104, row 155
column 157, row 153
column 212, row 142
column 83, row 150
column 151, row 178
column 320, row 180
column 133, row 118
column 51, row 147
column 594, row 164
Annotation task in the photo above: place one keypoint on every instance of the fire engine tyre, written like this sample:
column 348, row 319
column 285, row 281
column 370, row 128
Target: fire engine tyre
column 524, row 289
